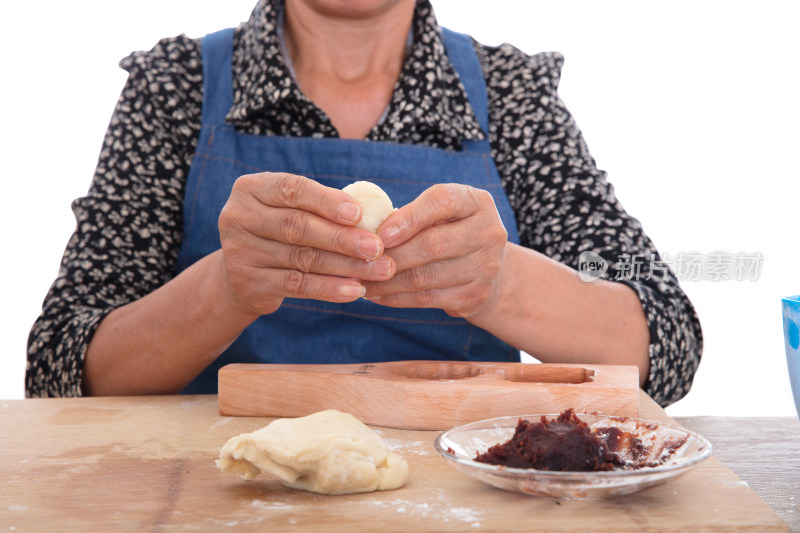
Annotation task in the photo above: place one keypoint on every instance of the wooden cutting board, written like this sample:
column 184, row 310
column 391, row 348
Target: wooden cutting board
column 427, row 394
column 147, row 464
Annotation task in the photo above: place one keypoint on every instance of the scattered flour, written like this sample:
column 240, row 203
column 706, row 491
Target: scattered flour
column 438, row 507
column 255, row 518
column 220, row 422
column 401, row 447
column 271, row 506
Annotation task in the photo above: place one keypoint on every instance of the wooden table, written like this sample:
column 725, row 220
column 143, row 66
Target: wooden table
column 147, row 463
column 763, row 452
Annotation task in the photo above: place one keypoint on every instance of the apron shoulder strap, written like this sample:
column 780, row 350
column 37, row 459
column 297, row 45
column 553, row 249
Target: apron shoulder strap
column 217, row 76
column 461, row 53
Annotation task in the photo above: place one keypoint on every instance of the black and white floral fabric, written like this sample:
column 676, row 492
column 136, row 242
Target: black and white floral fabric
column 129, row 224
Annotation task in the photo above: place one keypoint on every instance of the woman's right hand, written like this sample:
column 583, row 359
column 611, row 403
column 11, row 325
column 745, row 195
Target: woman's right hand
column 284, row 235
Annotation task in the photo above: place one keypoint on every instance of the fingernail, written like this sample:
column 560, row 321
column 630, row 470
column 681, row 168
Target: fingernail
column 349, row 211
column 368, row 247
column 352, row 291
column 381, row 267
column 388, row 234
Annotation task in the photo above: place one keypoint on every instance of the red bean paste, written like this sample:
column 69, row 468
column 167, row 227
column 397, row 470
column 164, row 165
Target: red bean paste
column 565, row 444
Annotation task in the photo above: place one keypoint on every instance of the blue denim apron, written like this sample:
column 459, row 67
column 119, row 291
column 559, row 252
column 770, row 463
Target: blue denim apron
column 310, row 331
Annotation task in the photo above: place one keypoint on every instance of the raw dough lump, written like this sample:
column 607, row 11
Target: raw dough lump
column 329, row 452
column 375, row 204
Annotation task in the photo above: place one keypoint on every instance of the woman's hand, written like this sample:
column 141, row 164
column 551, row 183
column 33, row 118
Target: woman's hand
column 449, row 247
column 288, row 236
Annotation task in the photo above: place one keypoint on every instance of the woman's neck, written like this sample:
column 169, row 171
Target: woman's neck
column 347, row 56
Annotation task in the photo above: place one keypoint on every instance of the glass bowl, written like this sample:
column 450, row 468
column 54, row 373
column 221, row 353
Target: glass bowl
column 679, row 448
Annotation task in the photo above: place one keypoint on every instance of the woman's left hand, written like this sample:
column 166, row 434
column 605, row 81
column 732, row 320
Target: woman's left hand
column 449, row 247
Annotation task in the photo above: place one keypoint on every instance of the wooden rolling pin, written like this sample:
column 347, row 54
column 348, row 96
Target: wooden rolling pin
column 427, row 394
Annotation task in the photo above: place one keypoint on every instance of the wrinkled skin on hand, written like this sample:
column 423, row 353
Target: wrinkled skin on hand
column 449, row 247
column 284, row 235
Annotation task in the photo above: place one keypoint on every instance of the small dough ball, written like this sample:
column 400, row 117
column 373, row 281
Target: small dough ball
column 375, row 204
column 329, row 452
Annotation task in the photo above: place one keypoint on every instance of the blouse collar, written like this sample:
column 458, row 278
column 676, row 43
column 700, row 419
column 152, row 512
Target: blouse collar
column 264, row 86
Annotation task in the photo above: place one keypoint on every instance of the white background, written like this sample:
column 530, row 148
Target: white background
column 690, row 105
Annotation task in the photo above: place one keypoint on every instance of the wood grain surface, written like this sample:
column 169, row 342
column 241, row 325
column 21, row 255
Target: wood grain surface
column 435, row 395
column 762, row 452
column 147, row 464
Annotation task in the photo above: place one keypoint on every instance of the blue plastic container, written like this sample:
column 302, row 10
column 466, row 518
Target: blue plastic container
column 791, row 339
